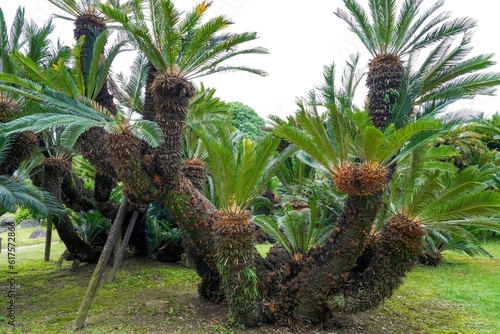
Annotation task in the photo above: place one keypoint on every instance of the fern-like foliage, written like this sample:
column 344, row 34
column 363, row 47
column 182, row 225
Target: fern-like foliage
column 186, row 45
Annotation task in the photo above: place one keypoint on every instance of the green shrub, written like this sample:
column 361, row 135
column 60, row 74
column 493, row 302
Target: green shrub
column 21, row 214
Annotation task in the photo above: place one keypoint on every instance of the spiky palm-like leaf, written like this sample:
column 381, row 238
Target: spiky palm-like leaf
column 182, row 45
column 16, row 192
column 297, row 231
column 427, row 191
column 241, row 172
column 131, row 89
column 10, row 41
column 207, row 111
column 385, row 30
column 74, row 116
column 333, row 138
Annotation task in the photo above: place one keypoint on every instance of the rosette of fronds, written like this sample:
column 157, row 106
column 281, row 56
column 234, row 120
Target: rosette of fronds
column 446, row 201
column 346, row 145
column 297, row 231
column 241, row 171
column 390, row 35
column 74, row 115
column 182, row 45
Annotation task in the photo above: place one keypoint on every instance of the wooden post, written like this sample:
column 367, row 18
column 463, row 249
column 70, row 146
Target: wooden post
column 48, row 240
column 101, row 266
column 123, row 247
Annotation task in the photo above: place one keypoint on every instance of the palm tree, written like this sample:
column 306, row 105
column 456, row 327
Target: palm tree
column 389, row 36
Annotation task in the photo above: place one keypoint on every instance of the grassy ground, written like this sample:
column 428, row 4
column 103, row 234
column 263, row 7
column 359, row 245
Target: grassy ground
column 22, row 237
column 460, row 296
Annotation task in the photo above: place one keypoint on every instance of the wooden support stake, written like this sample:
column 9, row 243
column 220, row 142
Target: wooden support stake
column 48, row 240
column 121, row 252
column 101, row 266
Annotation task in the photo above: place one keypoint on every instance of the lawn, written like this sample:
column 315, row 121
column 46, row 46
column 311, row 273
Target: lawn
column 460, row 296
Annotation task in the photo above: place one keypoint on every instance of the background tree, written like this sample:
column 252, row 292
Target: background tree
column 246, row 120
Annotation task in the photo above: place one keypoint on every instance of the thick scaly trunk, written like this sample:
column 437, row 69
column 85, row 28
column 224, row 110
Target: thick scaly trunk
column 395, row 253
column 149, row 104
column 171, row 96
column 124, row 151
column 303, row 289
column 53, row 173
column 196, row 172
column 384, row 78
column 236, row 262
column 197, row 217
column 22, row 147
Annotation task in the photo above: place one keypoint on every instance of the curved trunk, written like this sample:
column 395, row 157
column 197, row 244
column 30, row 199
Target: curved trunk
column 325, row 269
column 395, row 253
column 54, row 171
column 197, row 217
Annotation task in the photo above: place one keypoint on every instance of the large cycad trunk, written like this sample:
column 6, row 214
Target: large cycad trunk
column 385, row 74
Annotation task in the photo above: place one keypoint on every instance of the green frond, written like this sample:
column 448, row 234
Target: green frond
column 222, row 159
column 174, row 42
column 478, row 205
column 132, row 88
column 396, row 139
column 256, row 167
column 271, row 228
column 18, row 193
column 443, row 31
column 308, row 144
column 30, row 68
column 16, row 29
column 358, row 22
column 148, row 131
column 44, row 121
column 68, row 6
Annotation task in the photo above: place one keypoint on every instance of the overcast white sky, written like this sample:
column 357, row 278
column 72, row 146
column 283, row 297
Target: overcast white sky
column 302, row 37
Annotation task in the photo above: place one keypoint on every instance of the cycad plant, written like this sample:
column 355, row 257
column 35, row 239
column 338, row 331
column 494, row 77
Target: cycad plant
column 297, row 231
column 391, row 35
column 446, row 202
column 240, row 173
column 180, row 48
column 358, row 157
